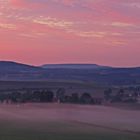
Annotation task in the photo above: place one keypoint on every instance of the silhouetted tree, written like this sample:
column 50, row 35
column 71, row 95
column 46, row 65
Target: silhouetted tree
column 108, row 94
column 75, row 98
column 50, row 96
column 86, row 98
column 60, row 95
column 119, row 96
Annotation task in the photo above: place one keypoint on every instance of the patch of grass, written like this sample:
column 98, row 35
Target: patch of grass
column 60, row 131
column 26, row 136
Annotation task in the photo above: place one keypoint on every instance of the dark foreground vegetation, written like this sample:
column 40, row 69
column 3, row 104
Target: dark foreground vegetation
column 110, row 95
column 124, row 95
column 48, row 96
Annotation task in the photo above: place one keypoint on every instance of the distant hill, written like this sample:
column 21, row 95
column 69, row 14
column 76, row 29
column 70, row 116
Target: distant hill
column 73, row 66
column 6, row 66
column 102, row 75
column 17, row 71
column 88, row 73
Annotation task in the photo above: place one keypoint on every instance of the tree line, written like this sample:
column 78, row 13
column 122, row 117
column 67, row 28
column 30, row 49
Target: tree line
column 128, row 95
column 60, row 96
column 48, row 96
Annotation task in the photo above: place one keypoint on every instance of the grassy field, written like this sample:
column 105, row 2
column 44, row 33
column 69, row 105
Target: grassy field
column 67, row 122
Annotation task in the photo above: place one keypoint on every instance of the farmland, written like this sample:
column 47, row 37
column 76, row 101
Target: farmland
column 67, row 122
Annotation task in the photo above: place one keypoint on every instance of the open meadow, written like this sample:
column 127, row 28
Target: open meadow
column 67, row 122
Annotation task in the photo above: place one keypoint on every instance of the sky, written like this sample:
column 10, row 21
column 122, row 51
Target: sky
column 36, row 32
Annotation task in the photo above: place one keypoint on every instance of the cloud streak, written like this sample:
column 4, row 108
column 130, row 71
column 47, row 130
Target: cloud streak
column 66, row 24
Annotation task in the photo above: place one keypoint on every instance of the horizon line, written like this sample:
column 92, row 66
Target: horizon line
column 69, row 63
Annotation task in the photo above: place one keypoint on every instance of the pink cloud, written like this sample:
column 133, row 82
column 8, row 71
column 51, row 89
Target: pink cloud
column 96, row 31
column 26, row 4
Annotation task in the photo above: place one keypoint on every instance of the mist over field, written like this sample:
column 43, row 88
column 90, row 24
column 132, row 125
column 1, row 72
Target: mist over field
column 58, row 121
